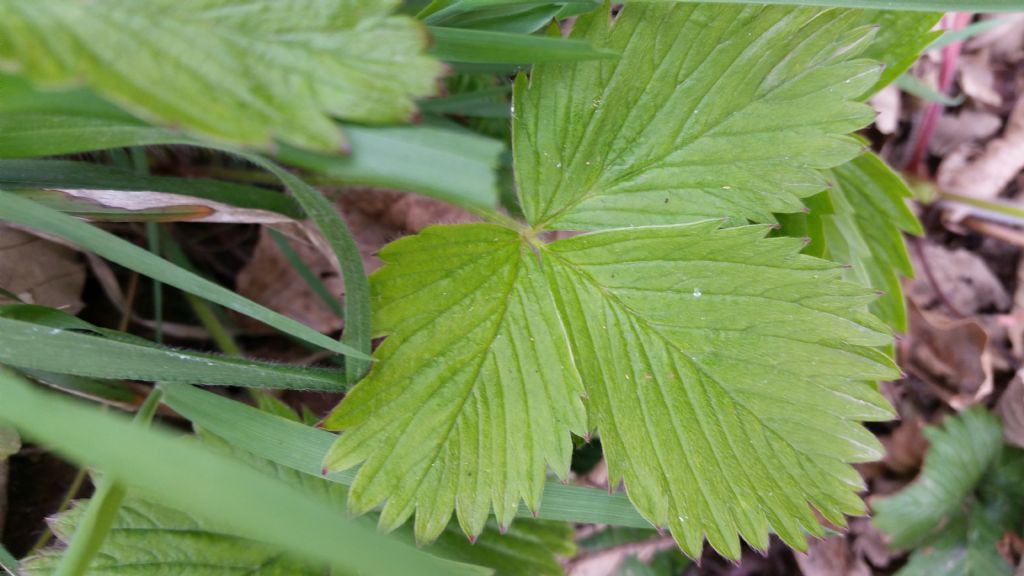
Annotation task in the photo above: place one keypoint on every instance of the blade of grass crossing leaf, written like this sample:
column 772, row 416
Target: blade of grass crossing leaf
column 357, row 332
column 301, row 448
column 102, row 508
column 248, row 503
column 27, row 213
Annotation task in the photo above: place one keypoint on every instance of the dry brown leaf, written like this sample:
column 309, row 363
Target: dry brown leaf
column 207, row 211
column 832, row 557
column 987, row 174
column 1005, row 42
column 869, row 543
column 964, row 278
column 970, row 126
column 978, row 79
column 270, row 279
column 1011, row 410
column 606, row 562
column 40, row 272
column 905, row 447
column 952, row 353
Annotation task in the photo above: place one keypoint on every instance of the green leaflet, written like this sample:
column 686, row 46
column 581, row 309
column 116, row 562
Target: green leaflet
column 241, row 71
column 475, row 353
column 961, row 452
column 705, row 353
column 865, row 231
column 970, row 492
column 690, row 122
column 150, row 537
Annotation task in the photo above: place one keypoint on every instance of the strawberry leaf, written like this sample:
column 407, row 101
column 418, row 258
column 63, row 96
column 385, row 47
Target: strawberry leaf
column 710, row 111
column 706, row 354
column 475, row 391
column 243, row 71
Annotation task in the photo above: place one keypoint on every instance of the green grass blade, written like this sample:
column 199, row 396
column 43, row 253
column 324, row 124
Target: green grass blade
column 102, row 508
column 32, row 215
column 484, row 46
column 457, row 167
column 302, row 448
column 31, row 346
column 248, row 503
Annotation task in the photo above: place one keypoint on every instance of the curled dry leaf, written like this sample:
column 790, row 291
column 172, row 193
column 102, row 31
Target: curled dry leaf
column 963, row 277
column 954, row 354
column 967, row 128
column 987, row 174
column 191, row 208
column 905, row 447
column 978, row 79
column 38, row 271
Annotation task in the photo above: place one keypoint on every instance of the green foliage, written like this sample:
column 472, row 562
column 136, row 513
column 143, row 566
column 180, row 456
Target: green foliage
column 691, row 123
column 148, row 538
column 694, row 344
column 248, row 503
column 969, row 492
column 865, row 230
column 240, row 71
column 10, row 442
column 728, row 374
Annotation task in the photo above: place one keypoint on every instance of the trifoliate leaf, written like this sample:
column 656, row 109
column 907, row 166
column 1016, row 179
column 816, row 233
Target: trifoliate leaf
column 866, row 229
column 961, row 451
column 238, row 70
column 707, row 355
column 710, row 111
column 475, row 391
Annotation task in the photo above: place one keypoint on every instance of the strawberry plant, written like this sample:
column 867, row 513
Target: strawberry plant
column 697, row 261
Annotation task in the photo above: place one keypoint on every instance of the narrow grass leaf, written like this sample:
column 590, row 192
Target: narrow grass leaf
column 301, row 448
column 30, row 346
column 244, row 501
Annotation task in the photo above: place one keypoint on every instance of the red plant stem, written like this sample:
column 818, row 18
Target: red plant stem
column 950, row 59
